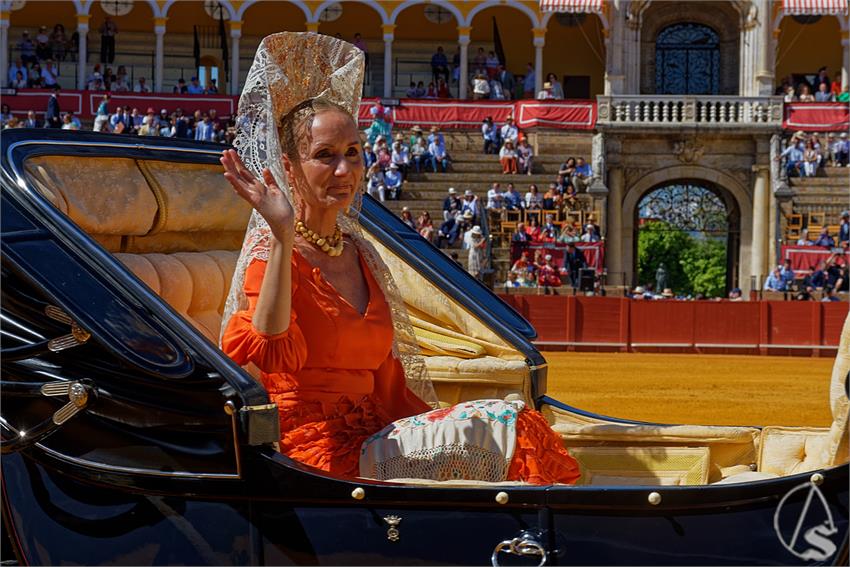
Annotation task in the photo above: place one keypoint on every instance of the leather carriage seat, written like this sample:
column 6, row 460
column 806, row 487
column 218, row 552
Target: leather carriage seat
column 178, row 227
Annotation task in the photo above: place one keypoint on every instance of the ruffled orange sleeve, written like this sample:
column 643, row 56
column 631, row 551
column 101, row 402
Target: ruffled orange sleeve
column 282, row 352
column 392, row 390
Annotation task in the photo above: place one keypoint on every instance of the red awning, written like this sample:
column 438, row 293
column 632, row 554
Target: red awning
column 579, row 6
column 814, row 7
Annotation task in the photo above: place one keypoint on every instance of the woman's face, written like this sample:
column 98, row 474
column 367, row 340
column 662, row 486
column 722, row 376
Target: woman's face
column 331, row 169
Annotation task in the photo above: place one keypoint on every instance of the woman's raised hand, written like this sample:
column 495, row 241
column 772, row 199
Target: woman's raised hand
column 267, row 198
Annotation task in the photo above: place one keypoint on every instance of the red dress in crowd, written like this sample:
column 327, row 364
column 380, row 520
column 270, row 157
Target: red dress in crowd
column 335, row 380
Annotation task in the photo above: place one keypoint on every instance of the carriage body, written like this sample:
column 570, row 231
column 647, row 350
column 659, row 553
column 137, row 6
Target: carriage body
column 130, row 438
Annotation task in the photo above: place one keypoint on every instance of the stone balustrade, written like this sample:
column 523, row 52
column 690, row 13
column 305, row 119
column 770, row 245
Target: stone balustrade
column 674, row 111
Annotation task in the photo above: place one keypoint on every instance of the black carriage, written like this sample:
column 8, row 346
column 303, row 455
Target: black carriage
column 128, row 437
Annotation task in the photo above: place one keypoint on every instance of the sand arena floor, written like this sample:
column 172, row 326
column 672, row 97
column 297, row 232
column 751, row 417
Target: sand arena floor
column 695, row 389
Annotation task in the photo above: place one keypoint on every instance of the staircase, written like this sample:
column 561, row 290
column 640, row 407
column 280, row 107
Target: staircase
column 472, row 169
column 827, row 194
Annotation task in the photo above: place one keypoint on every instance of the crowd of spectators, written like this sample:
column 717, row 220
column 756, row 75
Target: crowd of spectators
column 805, row 154
column 545, row 273
column 820, row 89
column 826, row 278
column 388, row 166
column 199, row 125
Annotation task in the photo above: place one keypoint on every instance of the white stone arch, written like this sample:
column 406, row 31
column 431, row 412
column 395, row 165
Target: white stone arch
column 532, row 15
column 84, row 7
column 385, row 20
column 843, row 21
column 714, row 177
column 442, row 3
column 544, row 23
column 227, row 5
column 240, row 14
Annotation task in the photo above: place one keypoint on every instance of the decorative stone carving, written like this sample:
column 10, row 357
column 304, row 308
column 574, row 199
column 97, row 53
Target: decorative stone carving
column 632, row 174
column 688, row 150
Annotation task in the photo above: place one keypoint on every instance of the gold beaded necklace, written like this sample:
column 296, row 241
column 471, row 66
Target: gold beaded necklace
column 330, row 245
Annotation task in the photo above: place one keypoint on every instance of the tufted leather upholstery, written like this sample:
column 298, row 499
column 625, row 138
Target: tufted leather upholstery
column 195, row 284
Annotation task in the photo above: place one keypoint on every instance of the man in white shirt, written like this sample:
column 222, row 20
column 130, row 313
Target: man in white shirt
column 546, row 93
column 509, row 132
column 141, row 86
column 495, row 197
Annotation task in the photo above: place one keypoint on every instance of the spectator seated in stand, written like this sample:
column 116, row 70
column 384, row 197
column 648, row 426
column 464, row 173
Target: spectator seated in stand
column 804, row 94
column 490, row 134
column 508, row 158
column 495, row 198
column 521, row 237
column 549, row 276
column 581, row 177
column 525, row 156
column 369, row 157
column 375, row 184
column 775, row 282
column 823, row 94
column 181, row 87
column 825, row 239
column 195, row 86
column 393, row 181
column 549, row 232
column 419, row 154
column 513, row 282
column 568, row 234
column 400, row 155
column 841, row 151
column 535, row 234
column 470, row 203
column 452, row 204
column 804, row 238
column 438, row 154
column 451, row 230
column 407, row 218
column 513, row 200
column 426, row 226
column 590, row 234
column 787, row 274
column 533, row 199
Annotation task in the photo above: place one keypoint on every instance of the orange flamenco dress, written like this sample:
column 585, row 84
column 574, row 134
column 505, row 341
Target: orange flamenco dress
column 336, row 382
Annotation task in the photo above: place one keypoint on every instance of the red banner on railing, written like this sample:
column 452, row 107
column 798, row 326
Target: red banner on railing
column 817, row 116
column 84, row 103
column 594, row 252
column 453, row 114
column 804, row 257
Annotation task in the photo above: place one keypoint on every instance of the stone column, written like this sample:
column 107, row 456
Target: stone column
column 82, row 55
column 389, row 31
column 615, row 51
column 235, row 35
column 159, row 54
column 766, row 67
column 749, row 55
column 761, row 228
column 463, row 41
column 631, row 49
column 614, row 235
column 4, row 46
column 539, row 43
column 845, row 62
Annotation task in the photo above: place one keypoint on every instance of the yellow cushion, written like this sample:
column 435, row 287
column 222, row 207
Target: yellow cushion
column 433, row 343
column 102, row 195
column 791, row 450
column 635, row 466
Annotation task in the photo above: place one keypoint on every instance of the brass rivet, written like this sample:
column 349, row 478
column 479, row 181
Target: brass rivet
column 358, row 493
column 654, row 498
column 502, row 497
column 816, row 479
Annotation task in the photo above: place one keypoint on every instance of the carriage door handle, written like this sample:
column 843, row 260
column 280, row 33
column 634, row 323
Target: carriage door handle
column 524, row 545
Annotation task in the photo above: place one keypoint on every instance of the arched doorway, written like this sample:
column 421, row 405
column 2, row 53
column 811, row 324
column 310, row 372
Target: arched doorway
column 687, row 60
column 693, row 228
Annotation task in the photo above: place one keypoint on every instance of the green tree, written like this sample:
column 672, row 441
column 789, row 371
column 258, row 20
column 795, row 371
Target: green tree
column 704, row 264
column 658, row 242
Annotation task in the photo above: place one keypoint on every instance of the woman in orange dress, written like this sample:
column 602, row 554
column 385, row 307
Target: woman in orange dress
column 313, row 315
